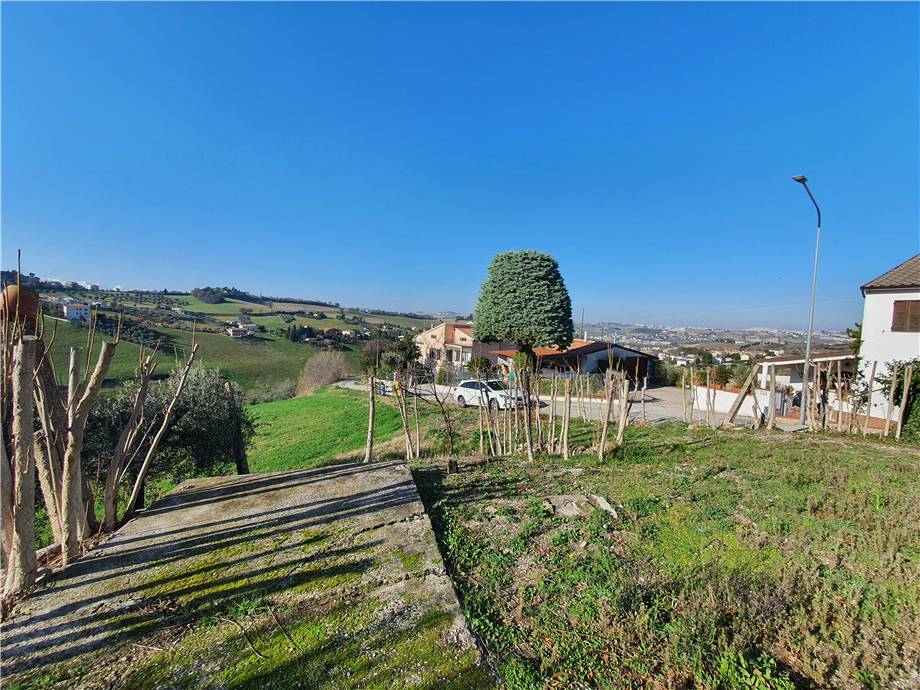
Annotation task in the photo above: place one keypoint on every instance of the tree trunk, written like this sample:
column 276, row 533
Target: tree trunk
column 49, row 457
column 908, row 378
column 72, row 484
column 839, row 388
column 551, row 442
column 6, row 500
column 404, row 418
column 122, row 452
column 371, row 414
column 483, row 407
column 644, row 388
column 21, row 566
column 566, row 416
column 47, row 483
column 624, row 412
column 608, row 389
column 772, row 398
column 140, row 500
column 683, row 392
column 74, row 502
column 710, row 417
column 164, row 426
column 418, row 431
column 535, row 385
column 528, row 433
column 890, row 403
column 865, row 430
column 242, row 461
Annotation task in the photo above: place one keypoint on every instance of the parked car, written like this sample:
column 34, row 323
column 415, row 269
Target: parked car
column 493, row 393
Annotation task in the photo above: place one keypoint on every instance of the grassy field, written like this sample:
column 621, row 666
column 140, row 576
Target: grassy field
column 124, row 363
column 252, row 362
column 309, row 431
column 735, row 560
column 230, row 308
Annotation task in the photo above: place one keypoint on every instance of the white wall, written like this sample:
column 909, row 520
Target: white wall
column 725, row 399
column 879, row 343
column 789, row 377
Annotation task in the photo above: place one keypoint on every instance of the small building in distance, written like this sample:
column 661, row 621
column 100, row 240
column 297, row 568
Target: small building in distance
column 587, row 357
column 76, row 312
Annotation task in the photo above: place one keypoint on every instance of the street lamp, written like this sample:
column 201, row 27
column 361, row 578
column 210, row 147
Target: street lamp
column 802, row 180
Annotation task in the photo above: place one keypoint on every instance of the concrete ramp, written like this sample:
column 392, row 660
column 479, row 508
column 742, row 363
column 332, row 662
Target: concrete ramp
column 328, row 577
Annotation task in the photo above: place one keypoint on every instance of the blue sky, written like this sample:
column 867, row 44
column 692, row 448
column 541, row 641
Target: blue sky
column 379, row 155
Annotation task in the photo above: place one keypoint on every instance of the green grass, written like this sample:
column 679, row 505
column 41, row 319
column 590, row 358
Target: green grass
column 310, row 431
column 259, row 361
column 735, row 560
column 124, row 363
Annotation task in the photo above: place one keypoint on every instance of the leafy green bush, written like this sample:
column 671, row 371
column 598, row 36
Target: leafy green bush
column 210, row 427
column 721, row 375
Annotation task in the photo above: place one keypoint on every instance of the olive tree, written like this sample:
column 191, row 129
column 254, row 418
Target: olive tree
column 524, row 300
column 200, row 417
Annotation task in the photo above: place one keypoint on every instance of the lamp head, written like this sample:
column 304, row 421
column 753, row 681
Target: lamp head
column 801, row 179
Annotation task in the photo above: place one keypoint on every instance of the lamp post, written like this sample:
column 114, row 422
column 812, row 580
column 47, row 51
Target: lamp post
column 802, row 180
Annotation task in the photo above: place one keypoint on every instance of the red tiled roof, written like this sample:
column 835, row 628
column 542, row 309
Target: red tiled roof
column 579, row 346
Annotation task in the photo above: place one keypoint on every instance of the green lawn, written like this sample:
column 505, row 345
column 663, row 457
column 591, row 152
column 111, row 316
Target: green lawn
column 312, row 430
column 735, row 560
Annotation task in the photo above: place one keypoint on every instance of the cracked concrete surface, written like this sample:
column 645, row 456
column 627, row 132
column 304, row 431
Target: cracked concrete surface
column 215, row 540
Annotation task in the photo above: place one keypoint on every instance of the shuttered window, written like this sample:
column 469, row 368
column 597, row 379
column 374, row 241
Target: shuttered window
column 906, row 316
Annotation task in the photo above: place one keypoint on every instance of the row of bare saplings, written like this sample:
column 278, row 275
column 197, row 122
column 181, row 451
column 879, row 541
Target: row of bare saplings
column 515, row 428
column 843, row 414
column 852, row 402
column 703, row 413
column 44, row 424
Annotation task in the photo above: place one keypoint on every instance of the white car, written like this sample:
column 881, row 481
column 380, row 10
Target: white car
column 493, row 393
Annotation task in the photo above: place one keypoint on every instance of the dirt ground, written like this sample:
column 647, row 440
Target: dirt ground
column 197, row 591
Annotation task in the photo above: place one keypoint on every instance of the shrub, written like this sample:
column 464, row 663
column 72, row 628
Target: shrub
column 264, row 391
column 442, row 377
column 210, row 426
column 322, row 369
column 479, row 366
column 721, row 375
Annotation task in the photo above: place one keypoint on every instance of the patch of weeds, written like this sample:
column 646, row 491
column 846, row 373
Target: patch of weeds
column 729, row 555
column 760, row 673
column 411, row 562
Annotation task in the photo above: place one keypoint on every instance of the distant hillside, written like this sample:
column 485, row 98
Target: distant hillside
column 266, row 360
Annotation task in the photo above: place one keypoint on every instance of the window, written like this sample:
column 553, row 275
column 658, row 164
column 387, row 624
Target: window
column 906, row 316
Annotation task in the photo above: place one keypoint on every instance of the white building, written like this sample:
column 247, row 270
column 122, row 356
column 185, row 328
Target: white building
column 891, row 316
column 890, row 325
column 76, row 312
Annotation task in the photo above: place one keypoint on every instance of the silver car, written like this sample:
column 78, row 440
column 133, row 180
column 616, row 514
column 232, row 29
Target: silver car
column 493, row 393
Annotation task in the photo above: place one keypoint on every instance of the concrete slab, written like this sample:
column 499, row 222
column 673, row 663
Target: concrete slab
column 292, row 547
